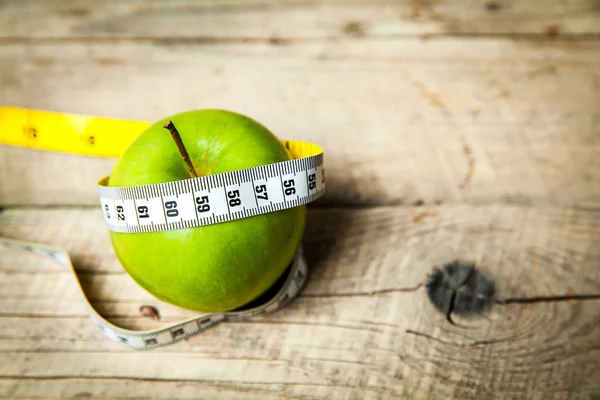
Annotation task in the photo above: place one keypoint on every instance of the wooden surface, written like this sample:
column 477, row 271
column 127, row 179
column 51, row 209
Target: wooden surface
column 363, row 327
column 403, row 118
column 453, row 130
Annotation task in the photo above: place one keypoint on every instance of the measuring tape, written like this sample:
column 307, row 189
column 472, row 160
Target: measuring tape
column 145, row 340
column 180, row 204
column 215, row 198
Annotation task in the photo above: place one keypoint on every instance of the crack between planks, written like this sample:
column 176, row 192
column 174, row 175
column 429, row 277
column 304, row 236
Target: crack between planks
column 472, row 343
column 546, row 299
column 374, row 292
column 400, row 203
column 275, row 40
column 84, row 272
column 302, row 323
column 209, row 381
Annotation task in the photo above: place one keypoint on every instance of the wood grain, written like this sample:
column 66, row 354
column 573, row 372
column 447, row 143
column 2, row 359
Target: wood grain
column 452, row 130
column 363, row 327
column 402, row 121
column 281, row 21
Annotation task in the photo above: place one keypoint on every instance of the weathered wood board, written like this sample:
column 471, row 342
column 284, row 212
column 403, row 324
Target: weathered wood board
column 452, row 130
column 362, row 328
column 500, row 98
column 289, row 20
column 401, row 121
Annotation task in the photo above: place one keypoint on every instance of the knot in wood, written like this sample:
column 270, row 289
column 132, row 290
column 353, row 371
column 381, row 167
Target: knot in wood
column 458, row 287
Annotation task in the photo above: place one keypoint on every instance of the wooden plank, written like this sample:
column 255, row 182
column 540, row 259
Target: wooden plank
column 277, row 20
column 81, row 388
column 362, row 328
column 402, row 121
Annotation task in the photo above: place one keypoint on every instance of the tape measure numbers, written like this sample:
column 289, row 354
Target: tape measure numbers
column 172, row 333
column 181, row 204
column 213, row 199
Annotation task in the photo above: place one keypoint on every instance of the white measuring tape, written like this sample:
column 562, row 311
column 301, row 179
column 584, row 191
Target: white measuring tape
column 294, row 280
column 214, row 198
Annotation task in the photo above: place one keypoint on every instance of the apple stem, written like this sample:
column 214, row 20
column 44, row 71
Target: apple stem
column 186, row 157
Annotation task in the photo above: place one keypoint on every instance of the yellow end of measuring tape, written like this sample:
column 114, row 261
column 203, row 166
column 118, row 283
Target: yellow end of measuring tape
column 87, row 135
column 67, row 133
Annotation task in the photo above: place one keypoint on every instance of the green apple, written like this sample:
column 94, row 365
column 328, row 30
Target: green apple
column 216, row 267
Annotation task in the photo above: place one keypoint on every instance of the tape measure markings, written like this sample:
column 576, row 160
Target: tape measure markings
column 172, row 333
column 214, row 198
